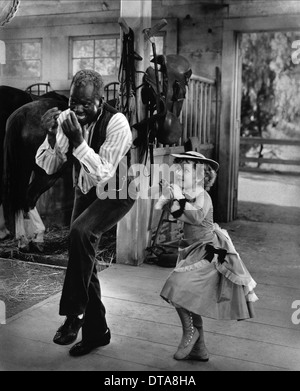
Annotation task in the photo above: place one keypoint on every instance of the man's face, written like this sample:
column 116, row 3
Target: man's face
column 84, row 102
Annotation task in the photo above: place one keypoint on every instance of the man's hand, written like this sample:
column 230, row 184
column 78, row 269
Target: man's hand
column 49, row 124
column 72, row 129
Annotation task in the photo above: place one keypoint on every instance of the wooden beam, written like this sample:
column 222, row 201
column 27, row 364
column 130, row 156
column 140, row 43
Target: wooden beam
column 226, row 152
column 263, row 23
column 132, row 229
column 41, row 8
column 267, row 141
column 271, row 161
column 266, row 8
column 170, row 3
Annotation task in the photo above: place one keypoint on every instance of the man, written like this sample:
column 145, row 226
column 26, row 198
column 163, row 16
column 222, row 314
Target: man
column 100, row 139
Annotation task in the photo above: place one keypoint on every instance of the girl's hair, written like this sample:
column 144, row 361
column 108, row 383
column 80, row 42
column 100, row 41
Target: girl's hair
column 89, row 76
column 210, row 174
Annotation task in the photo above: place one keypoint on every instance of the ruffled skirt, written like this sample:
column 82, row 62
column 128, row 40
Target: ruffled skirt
column 211, row 289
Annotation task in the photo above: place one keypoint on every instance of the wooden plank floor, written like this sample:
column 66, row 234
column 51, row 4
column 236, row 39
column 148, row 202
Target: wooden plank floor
column 146, row 330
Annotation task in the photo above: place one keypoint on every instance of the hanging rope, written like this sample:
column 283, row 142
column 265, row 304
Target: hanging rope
column 8, row 10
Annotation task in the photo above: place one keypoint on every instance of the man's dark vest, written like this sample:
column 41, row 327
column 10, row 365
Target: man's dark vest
column 99, row 136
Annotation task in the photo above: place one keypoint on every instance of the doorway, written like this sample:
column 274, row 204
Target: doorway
column 269, row 150
column 230, row 190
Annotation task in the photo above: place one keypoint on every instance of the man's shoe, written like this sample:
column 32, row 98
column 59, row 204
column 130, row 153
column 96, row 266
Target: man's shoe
column 85, row 347
column 68, row 332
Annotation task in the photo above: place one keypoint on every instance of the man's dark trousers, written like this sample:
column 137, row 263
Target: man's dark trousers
column 81, row 293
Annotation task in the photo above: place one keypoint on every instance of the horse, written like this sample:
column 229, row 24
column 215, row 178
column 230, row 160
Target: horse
column 23, row 181
column 10, row 100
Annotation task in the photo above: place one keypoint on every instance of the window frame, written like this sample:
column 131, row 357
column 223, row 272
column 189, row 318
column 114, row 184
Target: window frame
column 40, row 59
column 73, row 39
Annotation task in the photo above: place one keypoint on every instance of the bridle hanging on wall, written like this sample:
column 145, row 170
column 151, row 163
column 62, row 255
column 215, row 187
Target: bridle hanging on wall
column 126, row 102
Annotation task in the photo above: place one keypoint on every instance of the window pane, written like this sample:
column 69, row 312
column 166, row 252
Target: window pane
column 31, row 50
column 31, row 68
column 24, row 69
column 13, row 69
column 13, row 51
column 87, row 63
column 159, row 45
column 23, row 59
column 118, row 48
column 106, row 66
column 102, row 55
column 83, row 49
column 105, row 48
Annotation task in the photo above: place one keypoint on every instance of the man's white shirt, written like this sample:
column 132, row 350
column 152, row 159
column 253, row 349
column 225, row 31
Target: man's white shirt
column 96, row 168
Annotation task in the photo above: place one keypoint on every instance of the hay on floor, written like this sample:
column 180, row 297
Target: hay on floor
column 56, row 249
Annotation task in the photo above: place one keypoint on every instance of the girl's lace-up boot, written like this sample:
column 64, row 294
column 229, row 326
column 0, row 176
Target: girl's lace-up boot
column 190, row 334
column 199, row 351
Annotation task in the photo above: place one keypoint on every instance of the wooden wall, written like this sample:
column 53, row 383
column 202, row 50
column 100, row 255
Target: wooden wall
column 194, row 30
column 55, row 31
column 199, row 31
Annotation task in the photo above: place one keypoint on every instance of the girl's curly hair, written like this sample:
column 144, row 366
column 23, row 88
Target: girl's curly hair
column 210, row 175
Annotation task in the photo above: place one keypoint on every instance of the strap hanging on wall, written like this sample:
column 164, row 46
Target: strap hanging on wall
column 8, row 9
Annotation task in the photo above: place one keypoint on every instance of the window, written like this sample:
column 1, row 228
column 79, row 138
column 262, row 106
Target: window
column 101, row 54
column 159, row 43
column 23, row 59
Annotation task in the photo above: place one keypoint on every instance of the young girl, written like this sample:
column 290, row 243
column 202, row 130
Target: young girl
column 210, row 278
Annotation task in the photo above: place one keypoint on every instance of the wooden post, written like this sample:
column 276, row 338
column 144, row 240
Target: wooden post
column 132, row 229
column 229, row 129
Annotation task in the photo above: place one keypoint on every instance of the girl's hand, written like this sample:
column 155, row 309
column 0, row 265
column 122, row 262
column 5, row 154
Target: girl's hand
column 176, row 192
column 175, row 206
column 172, row 191
column 166, row 189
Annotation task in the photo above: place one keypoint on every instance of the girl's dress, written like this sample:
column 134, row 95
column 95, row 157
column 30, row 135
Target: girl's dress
column 210, row 279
